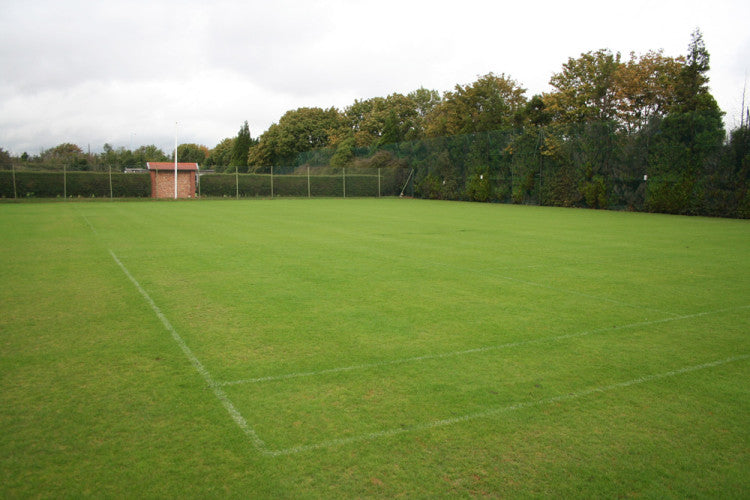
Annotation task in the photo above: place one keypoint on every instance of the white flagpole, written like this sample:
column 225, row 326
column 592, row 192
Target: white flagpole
column 175, row 160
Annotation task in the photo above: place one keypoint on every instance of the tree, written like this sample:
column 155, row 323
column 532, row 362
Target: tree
column 264, row 154
column 344, row 154
column 535, row 112
column 122, row 158
column 646, row 88
column 150, row 153
column 585, row 89
column 692, row 83
column 298, row 131
column 241, row 148
column 5, row 160
column 221, row 154
column 689, row 140
column 65, row 155
column 424, row 100
column 380, row 121
column 490, row 103
column 192, row 153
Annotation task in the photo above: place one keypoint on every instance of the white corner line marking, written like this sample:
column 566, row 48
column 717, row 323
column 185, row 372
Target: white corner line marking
column 218, row 392
column 478, row 350
column 496, row 411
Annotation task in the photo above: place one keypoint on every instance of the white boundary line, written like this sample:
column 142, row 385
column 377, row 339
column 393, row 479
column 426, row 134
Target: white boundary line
column 496, row 411
column 261, row 446
column 218, row 392
column 91, row 226
column 366, row 366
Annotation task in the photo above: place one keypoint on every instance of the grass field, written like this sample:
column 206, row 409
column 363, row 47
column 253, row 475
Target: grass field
column 357, row 348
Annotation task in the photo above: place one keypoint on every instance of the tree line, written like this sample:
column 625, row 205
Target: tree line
column 608, row 119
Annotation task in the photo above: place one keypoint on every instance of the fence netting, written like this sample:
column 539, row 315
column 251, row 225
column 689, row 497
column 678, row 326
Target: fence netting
column 287, row 182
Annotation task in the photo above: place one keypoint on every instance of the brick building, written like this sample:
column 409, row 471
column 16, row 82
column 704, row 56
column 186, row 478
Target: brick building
column 162, row 179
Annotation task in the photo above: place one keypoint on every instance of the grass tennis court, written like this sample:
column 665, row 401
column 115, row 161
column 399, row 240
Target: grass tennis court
column 371, row 347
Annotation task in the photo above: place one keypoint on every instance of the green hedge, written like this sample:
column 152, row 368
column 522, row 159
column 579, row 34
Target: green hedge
column 228, row 185
column 74, row 184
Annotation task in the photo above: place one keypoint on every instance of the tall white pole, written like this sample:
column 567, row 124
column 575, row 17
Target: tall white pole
column 175, row 160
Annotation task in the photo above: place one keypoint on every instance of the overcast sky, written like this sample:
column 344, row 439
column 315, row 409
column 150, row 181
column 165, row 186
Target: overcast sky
column 123, row 72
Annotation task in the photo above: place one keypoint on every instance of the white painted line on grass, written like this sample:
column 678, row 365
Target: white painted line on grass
column 415, row 359
column 218, row 392
column 91, row 226
column 496, row 411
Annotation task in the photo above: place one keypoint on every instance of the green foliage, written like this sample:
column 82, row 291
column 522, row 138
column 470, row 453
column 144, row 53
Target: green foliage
column 221, row 155
column 670, row 196
column 429, row 188
column 298, row 131
column 594, row 192
column 192, row 153
column 490, row 103
column 380, row 121
column 121, row 158
column 344, row 154
column 241, row 148
column 646, row 88
column 692, row 82
column 478, row 185
column 65, row 156
column 586, row 88
column 535, row 112
column 5, row 160
column 689, row 142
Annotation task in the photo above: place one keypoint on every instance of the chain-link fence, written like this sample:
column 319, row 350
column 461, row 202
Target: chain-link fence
column 343, row 182
column 594, row 165
column 25, row 184
column 306, row 182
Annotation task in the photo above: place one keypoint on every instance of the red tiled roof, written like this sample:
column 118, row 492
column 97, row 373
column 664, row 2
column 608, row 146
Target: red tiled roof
column 165, row 165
